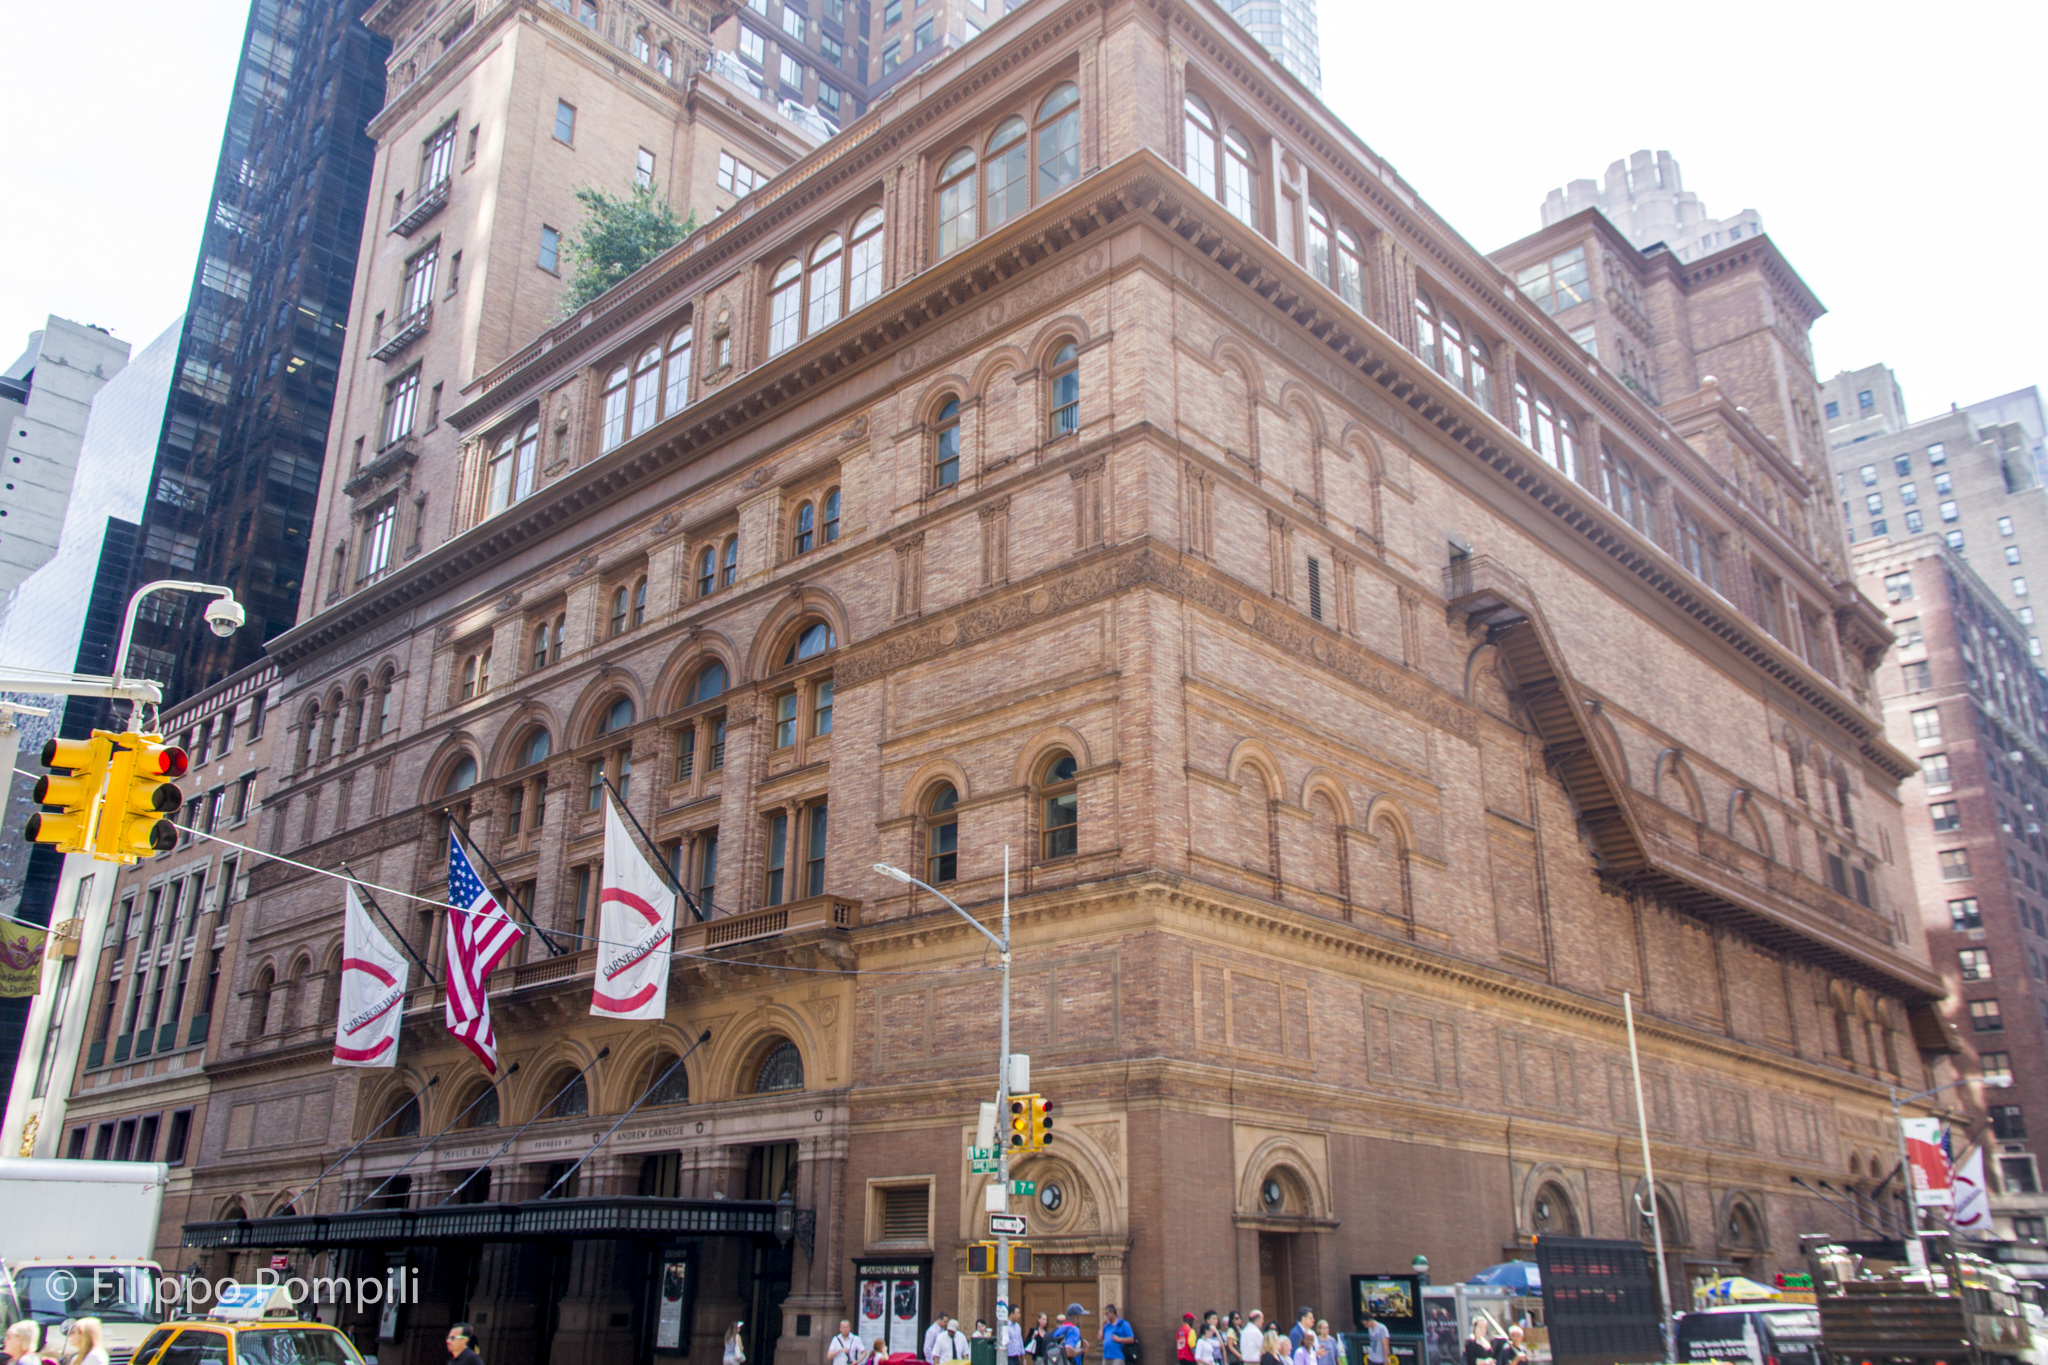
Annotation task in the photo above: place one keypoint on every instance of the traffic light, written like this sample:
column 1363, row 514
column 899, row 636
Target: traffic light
column 982, row 1259
column 134, row 821
column 1041, row 1123
column 1020, row 1259
column 75, row 792
column 1030, row 1123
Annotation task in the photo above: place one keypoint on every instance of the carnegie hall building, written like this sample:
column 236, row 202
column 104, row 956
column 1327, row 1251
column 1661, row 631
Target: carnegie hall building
column 1374, row 657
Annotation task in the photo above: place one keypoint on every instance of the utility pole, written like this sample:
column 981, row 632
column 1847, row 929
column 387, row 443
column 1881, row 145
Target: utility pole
column 1635, row 1067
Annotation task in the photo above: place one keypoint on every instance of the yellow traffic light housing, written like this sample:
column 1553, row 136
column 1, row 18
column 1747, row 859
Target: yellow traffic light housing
column 1020, row 1121
column 981, row 1258
column 75, row 792
column 141, row 796
column 1041, row 1123
column 1020, row 1259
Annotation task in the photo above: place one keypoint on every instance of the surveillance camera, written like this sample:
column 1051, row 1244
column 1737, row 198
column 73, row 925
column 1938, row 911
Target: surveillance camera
column 224, row 616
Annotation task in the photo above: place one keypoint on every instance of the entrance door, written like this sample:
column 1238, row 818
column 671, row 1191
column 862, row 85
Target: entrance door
column 1275, row 1278
column 1051, row 1298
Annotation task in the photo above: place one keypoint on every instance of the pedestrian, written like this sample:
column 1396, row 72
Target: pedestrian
column 1375, row 1339
column 21, row 1342
column 1184, row 1340
column 1072, row 1348
column 1227, row 1340
column 735, row 1350
column 952, row 1345
column 1014, row 1349
column 1510, row 1350
column 932, row 1335
column 1479, row 1346
column 981, row 1332
column 880, row 1351
column 1117, row 1336
column 1251, row 1341
column 1326, row 1343
column 1038, row 1342
column 845, row 1349
column 1273, row 1349
column 461, row 1343
column 1304, row 1326
column 1305, row 1353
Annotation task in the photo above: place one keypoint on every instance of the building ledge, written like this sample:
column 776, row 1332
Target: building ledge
column 405, row 332
column 430, row 202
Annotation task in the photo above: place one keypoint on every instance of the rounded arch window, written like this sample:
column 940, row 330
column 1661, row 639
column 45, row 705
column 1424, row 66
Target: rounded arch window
column 646, row 388
column 1318, row 241
column 1064, row 389
column 730, row 574
column 462, row 778
column 946, row 446
column 806, row 529
column 812, row 640
column 1238, row 176
column 572, row 1098
column 1741, row 1230
column 864, row 264
column 1059, row 140
column 956, row 201
column 942, row 834
column 707, row 571
column 1009, row 181
column 485, row 1112
column 614, row 409
column 669, row 1083
column 1553, row 1213
column 1198, row 154
column 785, row 306
column 828, row 265
column 710, row 683
column 536, row 749
column 404, row 1118
column 782, row 1069
column 831, row 516
column 1061, row 799
column 1272, row 1195
column 617, row 716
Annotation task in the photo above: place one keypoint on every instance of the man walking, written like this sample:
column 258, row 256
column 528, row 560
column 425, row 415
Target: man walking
column 952, row 1344
column 844, row 1349
column 1251, row 1342
column 1116, row 1334
column 460, row 1351
column 1375, row 1339
column 1304, row 1325
column 932, row 1335
column 1013, row 1336
column 1070, row 1347
column 1184, row 1341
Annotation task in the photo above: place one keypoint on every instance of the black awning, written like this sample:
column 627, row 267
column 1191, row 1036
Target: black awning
column 534, row 1220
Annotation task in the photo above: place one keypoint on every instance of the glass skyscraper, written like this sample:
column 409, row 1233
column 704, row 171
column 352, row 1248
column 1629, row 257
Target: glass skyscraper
column 1287, row 28
column 238, row 463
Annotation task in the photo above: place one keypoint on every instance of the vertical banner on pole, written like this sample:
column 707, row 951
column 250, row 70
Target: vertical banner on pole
column 1933, row 1181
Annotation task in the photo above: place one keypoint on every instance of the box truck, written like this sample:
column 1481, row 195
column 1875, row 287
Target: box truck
column 78, row 1241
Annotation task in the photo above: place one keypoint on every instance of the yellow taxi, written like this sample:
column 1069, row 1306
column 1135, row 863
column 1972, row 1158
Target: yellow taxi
column 267, row 1341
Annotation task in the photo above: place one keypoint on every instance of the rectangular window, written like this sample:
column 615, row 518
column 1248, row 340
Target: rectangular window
column 831, row 50
column 1946, row 815
column 1955, row 541
column 2005, row 526
column 1898, row 587
column 1869, row 475
column 1918, row 676
column 2019, row 586
column 1878, row 527
column 892, row 12
column 707, row 867
column 792, row 72
column 2012, row 554
column 1315, row 588
column 1937, row 453
column 753, row 46
column 2007, row 1123
column 1909, row 494
column 1995, row 1065
column 145, row 1136
column 1864, row 402
column 1927, row 725
column 714, row 757
column 643, row 167
column 828, row 97
column 377, row 535
column 821, row 709
column 778, row 858
column 586, row 882
column 1873, row 503
column 401, row 398
column 419, row 281
column 437, row 154
column 921, row 36
column 593, row 787
column 1955, row 864
column 1915, row 523
column 736, row 176
column 1975, row 963
column 1902, row 465
column 792, row 23
column 1986, row 1017
column 565, row 122
column 891, row 58
column 1557, row 284
column 686, row 753
column 1949, row 512
column 785, row 720
column 1963, row 914
column 814, row 853
column 550, row 249
column 1834, row 411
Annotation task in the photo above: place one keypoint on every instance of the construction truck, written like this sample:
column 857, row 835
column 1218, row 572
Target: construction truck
column 1878, row 1308
column 77, row 1242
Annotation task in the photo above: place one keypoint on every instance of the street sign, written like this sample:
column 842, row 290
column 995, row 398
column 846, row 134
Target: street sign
column 1007, row 1225
column 1023, row 1189
column 989, row 1167
column 982, row 1153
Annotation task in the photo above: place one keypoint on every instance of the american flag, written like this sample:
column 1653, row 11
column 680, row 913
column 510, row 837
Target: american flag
column 479, row 933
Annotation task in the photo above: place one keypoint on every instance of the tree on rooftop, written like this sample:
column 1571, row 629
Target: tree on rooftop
column 618, row 235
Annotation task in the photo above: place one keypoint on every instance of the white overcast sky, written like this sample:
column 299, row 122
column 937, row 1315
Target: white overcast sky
column 1896, row 152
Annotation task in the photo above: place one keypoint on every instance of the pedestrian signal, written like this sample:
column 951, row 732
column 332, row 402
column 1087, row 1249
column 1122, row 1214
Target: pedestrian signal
column 71, row 797
column 141, row 797
column 1020, row 1259
column 981, row 1258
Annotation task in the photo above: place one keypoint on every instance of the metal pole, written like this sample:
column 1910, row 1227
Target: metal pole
column 510, row 1072
column 1635, row 1067
column 631, row 1109
column 554, row 949
column 352, row 1151
column 523, row 1127
column 403, row 941
column 135, row 606
column 1002, row 1144
column 646, row 839
column 1916, row 1255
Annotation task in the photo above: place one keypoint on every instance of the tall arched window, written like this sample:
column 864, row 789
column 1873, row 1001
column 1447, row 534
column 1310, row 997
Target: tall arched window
column 614, row 408
column 640, row 602
column 828, row 264
column 1059, row 141
column 1544, row 430
column 540, row 645
column 781, row 1069
column 619, row 610
column 707, row 571
column 259, row 1003
column 1198, row 132
column 667, row 1082
column 572, row 1100
column 618, row 716
column 403, row 1119
column 462, row 778
column 785, row 306
column 309, row 726
column 1425, row 328
column 730, row 574
column 642, row 49
column 814, row 639
column 646, row 389
column 665, row 63
column 1623, row 488
column 806, row 532
column 956, row 201
column 1350, row 269
column 1319, row 242
column 536, row 749
column 677, row 387
column 946, row 446
column 831, row 527
column 509, row 477
column 386, row 686
column 864, row 261
column 1009, row 171
column 942, row 835
column 1063, row 389
column 483, row 1110
column 1060, row 804
column 1446, row 346
column 710, row 683
column 1552, row 1213
column 1238, row 178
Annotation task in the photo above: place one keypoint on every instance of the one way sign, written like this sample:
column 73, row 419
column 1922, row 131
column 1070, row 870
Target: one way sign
column 1006, row 1225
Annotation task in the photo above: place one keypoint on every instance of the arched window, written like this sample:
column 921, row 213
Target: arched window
column 707, row 571
column 710, row 683
column 462, row 778
column 259, row 1003
column 641, row 45
column 540, row 645
column 831, row 527
column 309, row 726
column 386, row 686
column 1063, row 389
column 510, row 475
column 403, row 1118
column 813, row 640
column 828, row 266
column 619, row 610
column 1538, row 423
column 474, row 680
column 485, row 1114
column 806, row 529
column 1552, row 1213
column 614, row 409
column 1198, row 132
column 942, row 835
column 618, row 716
column 1741, row 1231
column 956, row 201
column 358, row 703
column 538, row 746
column 1425, row 328
column 730, row 573
column 781, row 1069
column 785, row 306
column 677, row 385
column 646, row 389
column 864, row 261
column 573, row 1101
column 1350, row 269
column 1059, row 141
column 1009, row 168
column 1060, row 801
column 1318, row 242
column 946, row 446
column 1238, row 178
column 665, row 63
column 670, row 1084
column 640, row 602
column 1624, row 489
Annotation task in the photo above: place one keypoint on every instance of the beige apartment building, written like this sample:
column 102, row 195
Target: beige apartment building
column 1096, row 455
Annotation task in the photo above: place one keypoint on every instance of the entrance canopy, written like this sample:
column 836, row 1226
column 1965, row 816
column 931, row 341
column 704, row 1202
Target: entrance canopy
column 533, row 1220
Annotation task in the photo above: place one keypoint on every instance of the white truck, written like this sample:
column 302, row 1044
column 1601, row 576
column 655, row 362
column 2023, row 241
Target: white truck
column 78, row 1240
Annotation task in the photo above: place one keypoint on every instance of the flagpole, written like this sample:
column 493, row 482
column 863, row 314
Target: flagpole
column 648, row 840
column 553, row 949
column 403, row 941
column 702, row 1039
column 489, row 1089
column 353, row 1150
column 524, row 1126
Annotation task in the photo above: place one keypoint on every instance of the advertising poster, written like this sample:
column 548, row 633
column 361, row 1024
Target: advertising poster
column 668, row 1310
column 873, row 1322
column 1927, row 1156
column 903, row 1316
column 1393, row 1300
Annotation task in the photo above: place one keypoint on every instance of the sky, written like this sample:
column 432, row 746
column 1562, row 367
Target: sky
column 1895, row 158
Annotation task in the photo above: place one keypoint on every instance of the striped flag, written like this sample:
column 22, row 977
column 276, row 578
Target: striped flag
column 372, row 992
column 479, row 933
column 636, row 918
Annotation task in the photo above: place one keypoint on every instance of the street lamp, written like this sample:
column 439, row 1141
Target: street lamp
column 785, row 1218
column 224, row 615
column 1420, row 1265
column 1002, row 1061
column 1916, row 1255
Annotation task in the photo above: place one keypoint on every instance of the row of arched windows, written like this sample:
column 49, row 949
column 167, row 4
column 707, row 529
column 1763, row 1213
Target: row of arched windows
column 983, row 186
column 840, row 274
column 1057, row 792
column 1062, row 413
column 653, row 386
column 362, row 715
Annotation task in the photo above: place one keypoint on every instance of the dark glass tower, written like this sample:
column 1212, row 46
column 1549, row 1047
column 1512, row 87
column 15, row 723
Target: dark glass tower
column 238, row 464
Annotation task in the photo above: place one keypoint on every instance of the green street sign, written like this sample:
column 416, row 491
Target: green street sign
column 1023, row 1189
column 982, row 1153
column 983, row 1167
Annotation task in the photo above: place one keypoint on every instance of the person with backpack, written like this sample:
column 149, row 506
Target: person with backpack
column 1119, row 1342
column 1067, row 1342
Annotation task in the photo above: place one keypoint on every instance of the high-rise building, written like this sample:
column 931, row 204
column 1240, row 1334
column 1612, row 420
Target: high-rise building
column 1860, row 405
column 1964, row 697
column 2023, row 406
column 1287, row 29
column 238, row 463
column 1364, row 688
column 45, row 397
column 1645, row 198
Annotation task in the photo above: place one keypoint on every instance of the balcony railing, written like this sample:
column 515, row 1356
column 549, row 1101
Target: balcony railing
column 404, row 332
column 430, row 202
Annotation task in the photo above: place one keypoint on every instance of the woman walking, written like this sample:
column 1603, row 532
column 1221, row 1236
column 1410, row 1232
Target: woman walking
column 735, row 1352
column 85, row 1343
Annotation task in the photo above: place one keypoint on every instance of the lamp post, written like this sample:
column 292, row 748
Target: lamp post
column 1002, row 1066
column 1420, row 1265
column 1916, row 1255
column 224, row 615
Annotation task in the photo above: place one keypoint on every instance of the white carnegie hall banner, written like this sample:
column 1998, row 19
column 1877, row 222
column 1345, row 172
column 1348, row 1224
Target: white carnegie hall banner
column 372, row 992
column 636, row 925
